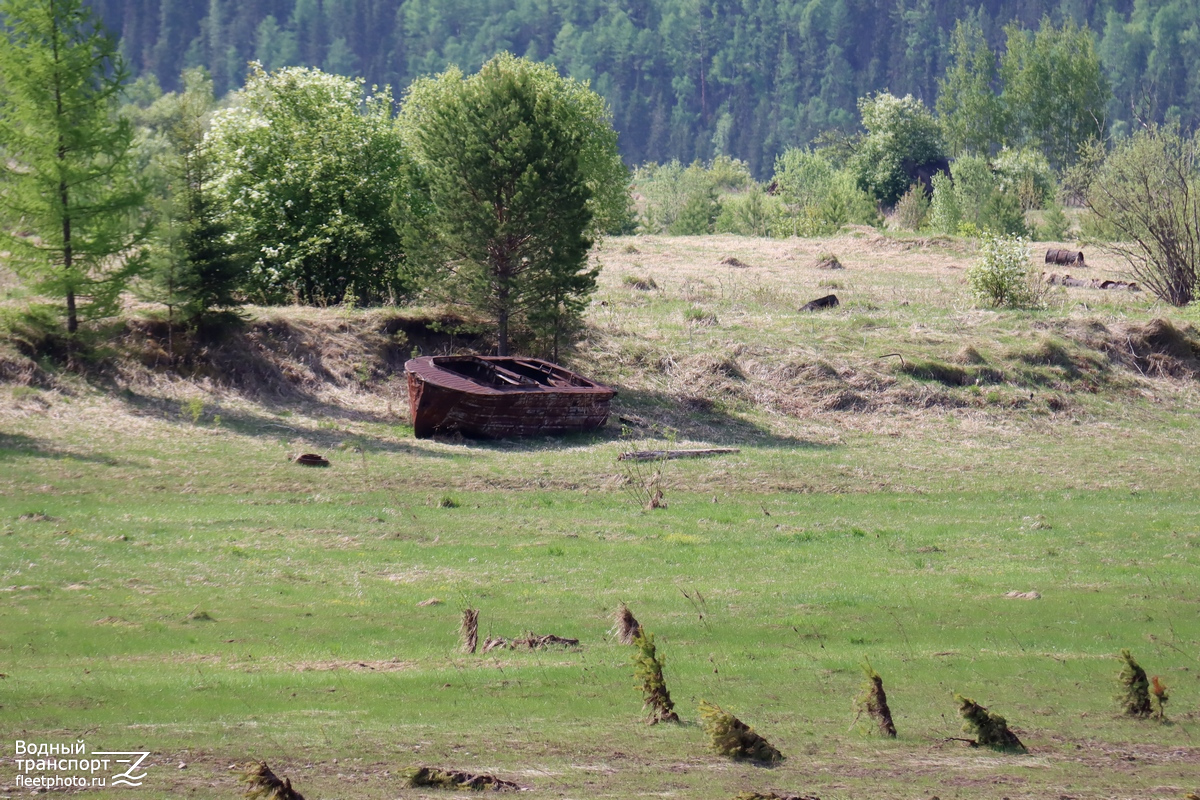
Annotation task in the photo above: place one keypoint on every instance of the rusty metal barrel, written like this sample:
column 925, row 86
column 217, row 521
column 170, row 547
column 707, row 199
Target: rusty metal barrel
column 1064, row 257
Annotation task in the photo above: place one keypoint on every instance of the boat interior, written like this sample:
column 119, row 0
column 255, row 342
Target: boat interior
column 512, row 372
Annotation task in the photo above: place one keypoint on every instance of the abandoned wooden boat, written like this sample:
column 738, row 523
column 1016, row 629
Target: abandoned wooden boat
column 494, row 397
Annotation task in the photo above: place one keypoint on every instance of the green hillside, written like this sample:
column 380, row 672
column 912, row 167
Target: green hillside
column 686, row 79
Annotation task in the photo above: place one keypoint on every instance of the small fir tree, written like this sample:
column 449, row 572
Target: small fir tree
column 990, row 730
column 1135, row 687
column 733, row 738
column 648, row 668
column 873, row 701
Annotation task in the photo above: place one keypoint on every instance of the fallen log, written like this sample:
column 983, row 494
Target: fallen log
column 666, row 455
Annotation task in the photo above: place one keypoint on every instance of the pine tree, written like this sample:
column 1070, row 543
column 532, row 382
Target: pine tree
column 519, row 165
column 66, row 188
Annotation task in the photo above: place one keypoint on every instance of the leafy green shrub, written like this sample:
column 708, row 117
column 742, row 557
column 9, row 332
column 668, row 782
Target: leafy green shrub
column 1004, row 276
column 749, row 213
column 1026, row 174
column 819, row 198
column 900, row 131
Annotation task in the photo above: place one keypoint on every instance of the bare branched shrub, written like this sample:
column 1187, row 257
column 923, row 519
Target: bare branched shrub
column 990, row 730
column 873, row 701
column 1147, row 191
column 263, row 784
column 733, row 738
column 648, row 668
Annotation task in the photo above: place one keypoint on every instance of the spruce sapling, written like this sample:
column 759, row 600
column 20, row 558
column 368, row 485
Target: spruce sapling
column 1135, row 696
column 263, row 784
column 991, row 730
column 648, row 668
column 873, row 701
column 733, row 738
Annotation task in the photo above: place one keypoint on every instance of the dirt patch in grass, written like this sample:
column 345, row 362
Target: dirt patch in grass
column 390, row 665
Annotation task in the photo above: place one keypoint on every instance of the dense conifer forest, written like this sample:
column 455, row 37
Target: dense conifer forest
column 686, row 79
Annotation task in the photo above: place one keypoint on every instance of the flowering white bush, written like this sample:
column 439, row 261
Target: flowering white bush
column 1004, row 275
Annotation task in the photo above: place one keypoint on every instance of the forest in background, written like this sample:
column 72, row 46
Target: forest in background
column 686, row 79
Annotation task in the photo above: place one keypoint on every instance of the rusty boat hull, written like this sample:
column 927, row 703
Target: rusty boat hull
column 495, row 397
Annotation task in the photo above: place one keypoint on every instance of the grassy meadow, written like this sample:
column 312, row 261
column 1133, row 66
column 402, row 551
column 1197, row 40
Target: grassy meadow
column 169, row 581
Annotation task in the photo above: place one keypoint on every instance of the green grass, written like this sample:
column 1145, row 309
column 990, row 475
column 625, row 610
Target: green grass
column 172, row 582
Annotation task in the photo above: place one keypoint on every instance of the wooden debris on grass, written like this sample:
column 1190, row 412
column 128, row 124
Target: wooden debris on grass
column 773, row 796
column 530, row 640
column 263, row 784
column 873, row 701
column 1054, row 279
column 648, row 668
column 1135, row 686
column 626, row 625
column 668, row 455
column 434, row 778
column 311, row 460
column 733, row 738
column 990, row 730
column 469, row 630
column 731, row 261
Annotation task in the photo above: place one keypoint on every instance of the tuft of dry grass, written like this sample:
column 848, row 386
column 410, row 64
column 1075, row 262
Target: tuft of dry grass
column 469, row 630
column 626, row 625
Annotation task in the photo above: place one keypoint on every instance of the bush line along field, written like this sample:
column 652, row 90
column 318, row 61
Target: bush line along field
column 171, row 582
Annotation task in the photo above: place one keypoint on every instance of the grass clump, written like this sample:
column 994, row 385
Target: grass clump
column 640, row 283
column 1135, row 687
column 263, row 784
column 434, row 778
column 934, row 370
column 733, row 738
column 990, row 730
column 648, row 668
column 873, row 701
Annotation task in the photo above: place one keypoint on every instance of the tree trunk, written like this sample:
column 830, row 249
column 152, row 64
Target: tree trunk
column 502, row 331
